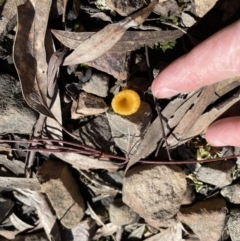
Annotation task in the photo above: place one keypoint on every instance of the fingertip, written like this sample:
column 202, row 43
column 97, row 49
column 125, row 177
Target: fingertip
column 224, row 132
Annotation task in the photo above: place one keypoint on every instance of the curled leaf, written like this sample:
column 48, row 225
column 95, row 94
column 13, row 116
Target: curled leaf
column 30, row 55
column 102, row 41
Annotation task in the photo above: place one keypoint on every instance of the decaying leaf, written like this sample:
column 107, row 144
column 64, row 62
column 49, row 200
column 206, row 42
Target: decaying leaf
column 207, row 118
column 30, row 55
column 13, row 183
column 9, row 235
column 82, row 162
column 84, row 230
column 19, row 224
column 10, row 8
column 106, row 230
column 103, row 40
column 154, row 133
column 137, row 233
column 192, row 115
column 131, row 40
column 115, row 64
column 15, row 166
column 45, row 213
column 173, row 233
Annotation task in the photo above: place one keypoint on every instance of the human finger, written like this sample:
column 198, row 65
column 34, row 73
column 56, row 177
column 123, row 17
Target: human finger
column 215, row 59
column 224, row 132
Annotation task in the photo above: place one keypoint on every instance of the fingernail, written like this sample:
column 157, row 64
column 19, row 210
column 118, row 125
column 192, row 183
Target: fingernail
column 165, row 93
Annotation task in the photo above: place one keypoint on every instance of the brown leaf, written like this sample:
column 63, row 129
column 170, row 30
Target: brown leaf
column 192, row 115
column 45, row 213
column 154, row 133
column 13, row 183
column 96, row 45
column 15, row 166
column 115, row 64
column 131, row 40
column 84, row 230
column 19, row 224
column 10, row 8
column 30, row 55
column 82, row 162
column 207, row 118
column 106, row 230
column 103, row 40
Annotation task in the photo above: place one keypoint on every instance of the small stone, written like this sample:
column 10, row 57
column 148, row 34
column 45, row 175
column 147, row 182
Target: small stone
column 166, row 223
column 187, row 20
column 203, row 6
column 97, row 85
column 127, row 131
column 63, row 192
column 234, row 224
column 88, row 104
column 189, row 195
column 232, row 193
column 167, row 8
column 6, row 206
column 15, row 114
column 154, row 192
column 121, row 214
column 97, row 134
column 216, row 173
column 206, row 219
column 124, row 8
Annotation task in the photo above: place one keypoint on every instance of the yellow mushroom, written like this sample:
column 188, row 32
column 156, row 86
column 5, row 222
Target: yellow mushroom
column 126, row 102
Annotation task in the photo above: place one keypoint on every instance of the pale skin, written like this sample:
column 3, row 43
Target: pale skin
column 214, row 60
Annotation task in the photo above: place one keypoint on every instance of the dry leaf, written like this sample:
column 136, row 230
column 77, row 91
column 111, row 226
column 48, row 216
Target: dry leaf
column 45, row 213
column 93, row 215
column 13, row 183
column 83, row 230
column 176, row 115
column 82, row 162
column 101, row 15
column 207, row 118
column 115, row 64
column 103, row 40
column 192, row 115
column 137, row 233
column 96, row 45
column 9, row 235
column 30, row 55
column 15, row 166
column 106, row 230
column 154, row 133
column 19, row 224
column 10, row 8
column 131, row 40
column 173, row 233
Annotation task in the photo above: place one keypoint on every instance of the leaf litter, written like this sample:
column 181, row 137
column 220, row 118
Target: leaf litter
column 50, row 196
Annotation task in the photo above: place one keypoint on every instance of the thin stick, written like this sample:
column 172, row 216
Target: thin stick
column 101, row 154
column 156, row 104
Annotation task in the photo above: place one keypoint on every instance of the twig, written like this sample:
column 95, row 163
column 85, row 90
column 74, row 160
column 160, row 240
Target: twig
column 156, row 104
column 124, row 159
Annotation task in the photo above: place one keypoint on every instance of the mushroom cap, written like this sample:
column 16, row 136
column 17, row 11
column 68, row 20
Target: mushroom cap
column 126, row 102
